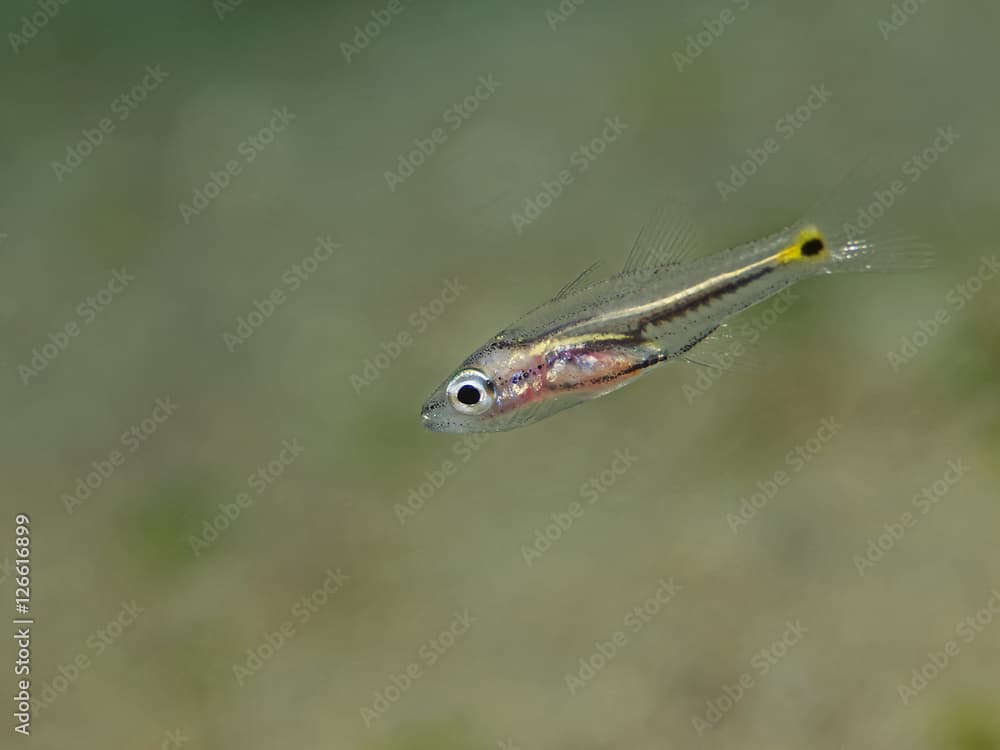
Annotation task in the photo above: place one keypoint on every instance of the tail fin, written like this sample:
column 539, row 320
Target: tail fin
column 855, row 220
column 885, row 251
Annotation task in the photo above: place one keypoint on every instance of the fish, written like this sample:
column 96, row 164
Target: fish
column 595, row 337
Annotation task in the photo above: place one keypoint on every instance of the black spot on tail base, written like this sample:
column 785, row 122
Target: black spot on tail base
column 812, row 247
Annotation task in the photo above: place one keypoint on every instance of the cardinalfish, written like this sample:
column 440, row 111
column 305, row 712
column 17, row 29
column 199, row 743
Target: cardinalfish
column 593, row 338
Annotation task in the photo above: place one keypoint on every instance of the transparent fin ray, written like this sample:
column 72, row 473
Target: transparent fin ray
column 729, row 347
column 857, row 218
column 669, row 238
column 579, row 282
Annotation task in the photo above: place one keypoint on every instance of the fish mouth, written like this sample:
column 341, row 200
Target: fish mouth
column 430, row 415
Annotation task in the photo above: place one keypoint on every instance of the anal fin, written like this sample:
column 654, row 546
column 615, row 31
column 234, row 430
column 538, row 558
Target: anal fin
column 726, row 348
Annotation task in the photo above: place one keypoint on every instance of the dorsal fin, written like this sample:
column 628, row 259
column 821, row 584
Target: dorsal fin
column 669, row 238
column 578, row 282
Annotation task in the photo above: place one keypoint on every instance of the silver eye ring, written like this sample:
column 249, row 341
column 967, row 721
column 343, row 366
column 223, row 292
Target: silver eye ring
column 471, row 392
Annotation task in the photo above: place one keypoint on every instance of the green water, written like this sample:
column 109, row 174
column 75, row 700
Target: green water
column 242, row 242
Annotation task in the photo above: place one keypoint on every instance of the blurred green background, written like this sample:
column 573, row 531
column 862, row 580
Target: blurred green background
column 250, row 567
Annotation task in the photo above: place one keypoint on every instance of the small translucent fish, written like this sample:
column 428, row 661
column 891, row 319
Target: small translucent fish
column 593, row 338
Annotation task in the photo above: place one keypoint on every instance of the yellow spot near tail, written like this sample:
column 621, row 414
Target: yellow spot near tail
column 809, row 245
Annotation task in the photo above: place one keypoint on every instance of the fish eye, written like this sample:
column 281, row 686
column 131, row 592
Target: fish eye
column 471, row 392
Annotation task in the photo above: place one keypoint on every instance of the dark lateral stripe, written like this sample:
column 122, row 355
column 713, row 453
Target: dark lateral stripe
column 694, row 303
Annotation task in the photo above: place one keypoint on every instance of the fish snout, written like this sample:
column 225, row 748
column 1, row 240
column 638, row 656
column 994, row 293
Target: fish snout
column 433, row 415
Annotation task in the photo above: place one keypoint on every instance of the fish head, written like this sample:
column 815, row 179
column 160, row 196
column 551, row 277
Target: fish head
column 462, row 403
column 502, row 385
column 471, row 399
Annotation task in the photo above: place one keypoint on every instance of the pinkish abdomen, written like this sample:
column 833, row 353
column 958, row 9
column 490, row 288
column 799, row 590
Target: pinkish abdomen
column 586, row 368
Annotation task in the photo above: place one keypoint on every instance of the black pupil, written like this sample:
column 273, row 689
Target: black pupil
column 468, row 395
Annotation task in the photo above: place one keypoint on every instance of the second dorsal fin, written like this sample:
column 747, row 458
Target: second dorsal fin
column 668, row 238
